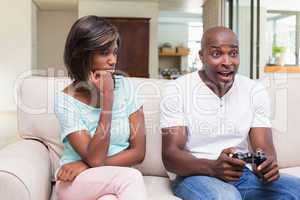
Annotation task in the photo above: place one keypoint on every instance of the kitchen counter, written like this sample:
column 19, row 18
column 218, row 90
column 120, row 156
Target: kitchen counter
column 282, row 69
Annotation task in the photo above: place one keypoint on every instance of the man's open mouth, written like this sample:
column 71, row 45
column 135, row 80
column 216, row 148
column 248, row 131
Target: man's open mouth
column 226, row 74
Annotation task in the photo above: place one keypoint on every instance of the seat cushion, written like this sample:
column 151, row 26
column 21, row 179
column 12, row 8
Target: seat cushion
column 158, row 188
column 294, row 171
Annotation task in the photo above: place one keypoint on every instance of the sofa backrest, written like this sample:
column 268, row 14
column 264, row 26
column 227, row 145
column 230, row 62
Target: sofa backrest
column 36, row 118
column 285, row 101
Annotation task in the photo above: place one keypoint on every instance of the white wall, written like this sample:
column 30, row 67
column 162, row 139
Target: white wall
column 53, row 28
column 15, row 48
column 287, row 5
column 141, row 9
column 244, row 40
column 213, row 14
column 173, row 33
column 34, row 35
column 8, row 128
column 173, row 27
column 176, row 34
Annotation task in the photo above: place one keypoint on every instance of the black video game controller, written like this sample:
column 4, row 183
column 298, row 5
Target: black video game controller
column 254, row 158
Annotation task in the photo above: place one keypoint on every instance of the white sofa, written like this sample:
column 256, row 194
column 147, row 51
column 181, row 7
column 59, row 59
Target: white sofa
column 27, row 166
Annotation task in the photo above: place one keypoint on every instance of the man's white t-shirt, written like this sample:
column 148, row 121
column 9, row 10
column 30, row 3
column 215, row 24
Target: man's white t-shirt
column 214, row 123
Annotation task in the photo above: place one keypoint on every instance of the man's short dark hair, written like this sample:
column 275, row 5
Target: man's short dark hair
column 88, row 35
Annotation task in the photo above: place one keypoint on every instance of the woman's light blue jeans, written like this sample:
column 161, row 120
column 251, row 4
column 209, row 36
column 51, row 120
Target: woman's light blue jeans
column 249, row 187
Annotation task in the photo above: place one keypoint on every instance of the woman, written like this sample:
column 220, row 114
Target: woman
column 102, row 126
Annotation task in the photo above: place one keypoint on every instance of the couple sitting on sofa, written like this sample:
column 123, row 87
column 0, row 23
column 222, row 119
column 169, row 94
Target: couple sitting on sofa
column 205, row 117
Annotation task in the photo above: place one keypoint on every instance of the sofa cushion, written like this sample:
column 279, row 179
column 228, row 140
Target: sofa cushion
column 36, row 118
column 149, row 90
column 158, row 188
column 294, row 171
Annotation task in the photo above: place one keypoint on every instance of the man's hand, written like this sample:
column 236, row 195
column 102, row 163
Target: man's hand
column 227, row 168
column 68, row 172
column 261, row 138
column 268, row 170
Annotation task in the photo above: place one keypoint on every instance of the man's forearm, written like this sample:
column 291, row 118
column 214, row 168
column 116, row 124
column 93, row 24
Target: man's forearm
column 261, row 138
column 183, row 163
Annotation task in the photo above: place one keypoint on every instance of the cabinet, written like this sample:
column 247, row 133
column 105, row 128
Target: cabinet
column 133, row 58
column 162, row 54
column 173, row 61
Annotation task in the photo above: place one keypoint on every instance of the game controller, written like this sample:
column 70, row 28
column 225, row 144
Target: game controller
column 254, row 158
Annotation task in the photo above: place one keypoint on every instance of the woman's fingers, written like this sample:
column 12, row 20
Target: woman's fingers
column 103, row 80
column 62, row 175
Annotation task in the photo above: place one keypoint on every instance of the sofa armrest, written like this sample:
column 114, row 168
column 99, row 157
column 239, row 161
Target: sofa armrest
column 25, row 171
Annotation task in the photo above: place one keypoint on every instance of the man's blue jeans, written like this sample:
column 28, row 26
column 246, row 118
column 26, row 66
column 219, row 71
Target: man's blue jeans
column 249, row 187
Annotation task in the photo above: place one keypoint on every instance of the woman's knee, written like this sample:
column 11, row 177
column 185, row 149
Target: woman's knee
column 132, row 173
column 62, row 190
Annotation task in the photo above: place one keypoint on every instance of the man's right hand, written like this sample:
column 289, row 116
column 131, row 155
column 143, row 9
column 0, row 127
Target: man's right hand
column 227, row 168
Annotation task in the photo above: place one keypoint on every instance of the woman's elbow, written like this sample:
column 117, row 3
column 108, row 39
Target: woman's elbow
column 140, row 156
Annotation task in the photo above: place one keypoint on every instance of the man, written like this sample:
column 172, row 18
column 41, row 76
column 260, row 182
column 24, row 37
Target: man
column 208, row 115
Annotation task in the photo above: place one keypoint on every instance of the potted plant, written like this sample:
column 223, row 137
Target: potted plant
column 278, row 54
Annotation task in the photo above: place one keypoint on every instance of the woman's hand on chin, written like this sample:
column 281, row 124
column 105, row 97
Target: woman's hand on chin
column 102, row 80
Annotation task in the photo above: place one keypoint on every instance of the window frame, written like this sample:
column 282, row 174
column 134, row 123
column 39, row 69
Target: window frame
column 297, row 34
column 197, row 40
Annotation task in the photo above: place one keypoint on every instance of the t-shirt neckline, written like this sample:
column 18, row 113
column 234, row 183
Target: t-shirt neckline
column 81, row 103
column 212, row 92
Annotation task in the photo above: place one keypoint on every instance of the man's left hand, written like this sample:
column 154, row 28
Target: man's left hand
column 268, row 170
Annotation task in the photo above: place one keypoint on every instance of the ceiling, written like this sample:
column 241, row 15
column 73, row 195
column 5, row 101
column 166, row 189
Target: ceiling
column 57, row 4
column 192, row 6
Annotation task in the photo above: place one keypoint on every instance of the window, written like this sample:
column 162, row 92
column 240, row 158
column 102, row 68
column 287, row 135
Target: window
column 282, row 33
column 194, row 44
